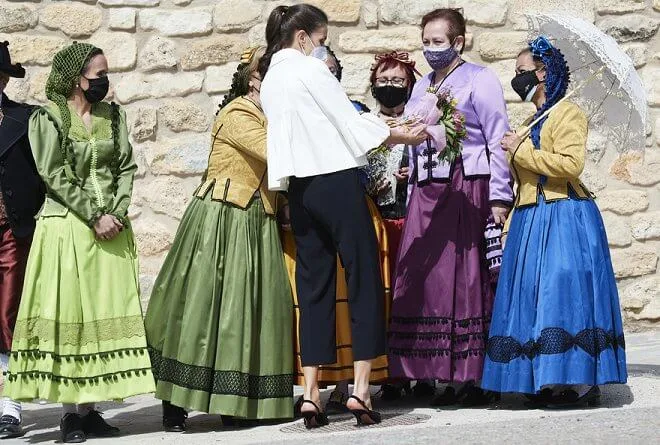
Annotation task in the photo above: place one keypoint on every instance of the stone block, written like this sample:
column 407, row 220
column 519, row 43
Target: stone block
column 152, row 236
column 73, row 19
column 33, row 49
column 158, row 53
column 619, row 6
column 405, row 38
column 623, row 202
column 583, row 9
column 122, row 19
column 233, row 15
column 17, row 18
column 180, row 115
column 341, row 11
column 213, row 51
column 630, row 27
column 163, row 194
column 177, row 22
column 137, row 3
column 486, row 13
column 137, row 86
column 408, row 13
column 646, row 226
column 638, row 52
column 370, row 13
column 634, row 261
column 618, row 230
column 119, row 48
column 145, row 122
column 357, row 69
column 182, row 156
column 501, row 45
column 641, row 299
column 219, row 78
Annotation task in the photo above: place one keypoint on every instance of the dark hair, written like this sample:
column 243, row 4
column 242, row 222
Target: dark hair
column 453, row 17
column 283, row 22
column 340, row 69
column 389, row 63
column 240, row 84
column 93, row 53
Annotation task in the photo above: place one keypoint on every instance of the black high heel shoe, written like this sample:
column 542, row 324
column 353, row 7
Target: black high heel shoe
column 314, row 419
column 365, row 416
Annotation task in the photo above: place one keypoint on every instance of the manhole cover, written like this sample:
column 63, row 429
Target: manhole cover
column 347, row 423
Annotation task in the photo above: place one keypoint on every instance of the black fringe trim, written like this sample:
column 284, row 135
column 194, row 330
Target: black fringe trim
column 37, row 355
column 433, row 353
column 110, row 377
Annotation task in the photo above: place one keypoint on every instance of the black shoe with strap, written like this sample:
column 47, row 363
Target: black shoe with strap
column 174, row 418
column 476, row 396
column 71, row 427
column 10, row 427
column 94, row 425
column 365, row 416
column 314, row 419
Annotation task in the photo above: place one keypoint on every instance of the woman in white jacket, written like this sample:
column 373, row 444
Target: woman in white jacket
column 316, row 140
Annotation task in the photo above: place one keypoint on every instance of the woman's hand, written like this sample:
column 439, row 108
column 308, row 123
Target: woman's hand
column 407, row 135
column 510, row 141
column 107, row 227
column 500, row 212
column 403, row 174
column 284, row 218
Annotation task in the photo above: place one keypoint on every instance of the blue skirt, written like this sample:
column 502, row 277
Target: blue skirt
column 556, row 317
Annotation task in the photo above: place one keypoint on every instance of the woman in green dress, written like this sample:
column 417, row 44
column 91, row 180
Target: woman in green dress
column 220, row 315
column 79, row 336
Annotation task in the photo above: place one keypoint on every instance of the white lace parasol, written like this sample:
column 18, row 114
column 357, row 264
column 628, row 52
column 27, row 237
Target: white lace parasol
column 615, row 99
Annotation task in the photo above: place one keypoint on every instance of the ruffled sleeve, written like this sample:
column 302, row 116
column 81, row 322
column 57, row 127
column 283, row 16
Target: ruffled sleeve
column 45, row 143
column 125, row 171
column 360, row 132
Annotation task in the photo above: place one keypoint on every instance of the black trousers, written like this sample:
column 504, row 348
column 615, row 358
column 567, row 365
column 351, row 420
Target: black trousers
column 329, row 215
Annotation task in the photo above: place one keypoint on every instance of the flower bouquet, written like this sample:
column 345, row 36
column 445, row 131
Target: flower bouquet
column 438, row 108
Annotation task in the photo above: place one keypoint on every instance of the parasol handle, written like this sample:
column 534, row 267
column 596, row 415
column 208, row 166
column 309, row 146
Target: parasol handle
column 527, row 129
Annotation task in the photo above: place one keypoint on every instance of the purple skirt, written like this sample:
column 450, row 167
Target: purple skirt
column 442, row 295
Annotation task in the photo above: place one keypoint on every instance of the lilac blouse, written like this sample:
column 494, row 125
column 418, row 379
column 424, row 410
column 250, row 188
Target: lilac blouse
column 481, row 100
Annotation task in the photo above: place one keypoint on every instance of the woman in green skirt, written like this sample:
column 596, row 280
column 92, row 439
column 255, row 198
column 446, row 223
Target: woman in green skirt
column 220, row 315
column 79, row 336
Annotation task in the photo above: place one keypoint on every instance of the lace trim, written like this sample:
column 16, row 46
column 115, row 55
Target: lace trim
column 437, row 352
column 211, row 381
column 76, row 334
column 553, row 341
column 463, row 323
column 100, row 201
column 435, row 336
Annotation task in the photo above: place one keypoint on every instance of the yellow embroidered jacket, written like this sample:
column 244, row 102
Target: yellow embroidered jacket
column 237, row 163
column 560, row 159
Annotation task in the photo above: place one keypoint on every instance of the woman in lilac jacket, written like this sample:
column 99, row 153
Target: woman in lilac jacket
column 442, row 295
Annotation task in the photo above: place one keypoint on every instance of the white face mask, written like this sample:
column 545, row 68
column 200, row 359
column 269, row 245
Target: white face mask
column 531, row 93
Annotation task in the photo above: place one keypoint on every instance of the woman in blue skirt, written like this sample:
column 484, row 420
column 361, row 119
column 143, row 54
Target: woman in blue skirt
column 556, row 330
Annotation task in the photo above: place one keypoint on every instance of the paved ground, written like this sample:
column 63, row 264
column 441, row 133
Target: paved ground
column 630, row 414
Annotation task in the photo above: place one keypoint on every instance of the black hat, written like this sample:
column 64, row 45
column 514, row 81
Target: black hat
column 5, row 62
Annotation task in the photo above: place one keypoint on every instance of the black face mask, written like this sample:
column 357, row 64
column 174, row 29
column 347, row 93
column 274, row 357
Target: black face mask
column 524, row 84
column 97, row 90
column 390, row 96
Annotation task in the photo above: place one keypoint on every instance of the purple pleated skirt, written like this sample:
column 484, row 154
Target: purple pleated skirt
column 442, row 296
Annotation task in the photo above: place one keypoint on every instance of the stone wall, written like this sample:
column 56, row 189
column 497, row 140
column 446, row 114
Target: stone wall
column 172, row 60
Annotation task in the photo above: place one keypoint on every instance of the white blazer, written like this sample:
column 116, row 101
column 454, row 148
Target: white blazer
column 313, row 128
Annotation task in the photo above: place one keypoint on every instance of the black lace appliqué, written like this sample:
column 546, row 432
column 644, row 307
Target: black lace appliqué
column 212, row 381
column 553, row 341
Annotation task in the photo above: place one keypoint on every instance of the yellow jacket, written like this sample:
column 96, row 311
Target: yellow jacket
column 560, row 159
column 237, row 163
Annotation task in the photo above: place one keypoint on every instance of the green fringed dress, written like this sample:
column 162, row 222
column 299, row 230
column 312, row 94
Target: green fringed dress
column 79, row 335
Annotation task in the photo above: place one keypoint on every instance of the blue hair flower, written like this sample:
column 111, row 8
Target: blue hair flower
column 540, row 46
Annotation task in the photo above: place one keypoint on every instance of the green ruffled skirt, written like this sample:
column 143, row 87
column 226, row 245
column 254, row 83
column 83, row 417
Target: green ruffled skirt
column 220, row 315
column 79, row 335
